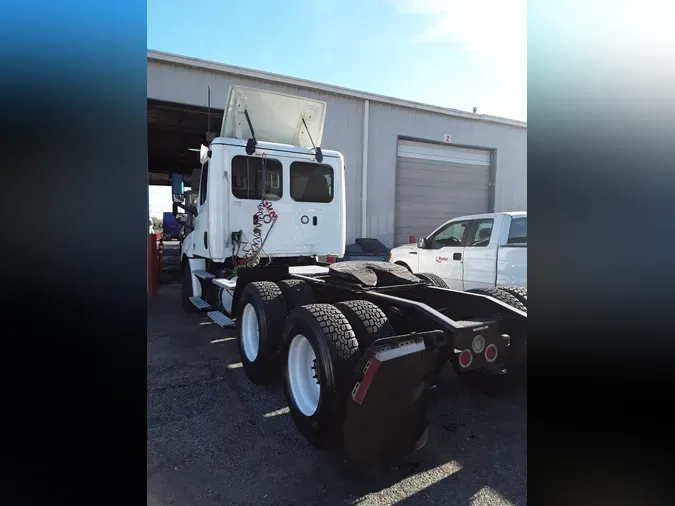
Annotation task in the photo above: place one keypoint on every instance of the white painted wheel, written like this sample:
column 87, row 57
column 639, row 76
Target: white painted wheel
column 305, row 388
column 250, row 332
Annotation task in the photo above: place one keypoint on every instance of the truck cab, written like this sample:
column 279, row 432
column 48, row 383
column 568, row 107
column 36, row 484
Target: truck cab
column 266, row 190
column 472, row 252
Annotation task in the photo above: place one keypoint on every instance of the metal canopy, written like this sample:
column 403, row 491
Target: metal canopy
column 275, row 117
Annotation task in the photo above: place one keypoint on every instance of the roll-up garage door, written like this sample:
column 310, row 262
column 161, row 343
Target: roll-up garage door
column 435, row 183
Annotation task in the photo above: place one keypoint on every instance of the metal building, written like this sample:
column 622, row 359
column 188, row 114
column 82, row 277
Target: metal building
column 410, row 166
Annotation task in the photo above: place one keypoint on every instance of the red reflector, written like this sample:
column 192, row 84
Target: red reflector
column 465, row 358
column 411, row 239
column 491, row 353
column 362, row 389
column 330, row 259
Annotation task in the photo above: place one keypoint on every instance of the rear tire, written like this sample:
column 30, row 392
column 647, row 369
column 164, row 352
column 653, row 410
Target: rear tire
column 296, row 293
column 186, row 290
column 517, row 291
column 260, row 318
column 500, row 295
column 321, row 335
column 433, row 279
column 367, row 320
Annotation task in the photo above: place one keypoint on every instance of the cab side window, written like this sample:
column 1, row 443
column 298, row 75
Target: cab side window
column 203, row 182
column 518, row 231
column 482, row 231
column 450, row 235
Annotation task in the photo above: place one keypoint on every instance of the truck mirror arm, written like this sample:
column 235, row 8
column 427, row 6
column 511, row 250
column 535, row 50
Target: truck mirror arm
column 188, row 209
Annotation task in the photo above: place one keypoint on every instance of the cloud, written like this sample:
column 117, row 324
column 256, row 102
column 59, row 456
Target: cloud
column 496, row 29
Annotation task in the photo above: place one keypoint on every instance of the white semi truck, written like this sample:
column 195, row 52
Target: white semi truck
column 354, row 343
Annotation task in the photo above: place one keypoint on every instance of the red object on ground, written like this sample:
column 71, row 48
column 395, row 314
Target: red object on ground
column 412, row 239
column 152, row 265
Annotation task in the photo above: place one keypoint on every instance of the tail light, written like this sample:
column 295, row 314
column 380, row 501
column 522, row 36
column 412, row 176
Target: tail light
column 491, row 353
column 465, row 359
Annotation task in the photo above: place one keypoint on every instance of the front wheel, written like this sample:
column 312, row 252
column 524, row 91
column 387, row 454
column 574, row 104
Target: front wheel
column 321, row 351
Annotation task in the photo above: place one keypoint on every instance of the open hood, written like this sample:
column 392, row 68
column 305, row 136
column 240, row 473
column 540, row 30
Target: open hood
column 275, row 117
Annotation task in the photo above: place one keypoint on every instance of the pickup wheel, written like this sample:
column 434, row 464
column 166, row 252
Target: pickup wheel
column 500, row 295
column 403, row 264
column 517, row 291
column 296, row 293
column 367, row 320
column 433, row 279
column 321, row 352
column 260, row 316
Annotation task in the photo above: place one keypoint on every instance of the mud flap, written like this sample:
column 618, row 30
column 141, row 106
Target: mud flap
column 386, row 417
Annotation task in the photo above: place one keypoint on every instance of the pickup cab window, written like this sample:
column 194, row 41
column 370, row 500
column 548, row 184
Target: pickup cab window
column 518, row 231
column 482, row 231
column 450, row 235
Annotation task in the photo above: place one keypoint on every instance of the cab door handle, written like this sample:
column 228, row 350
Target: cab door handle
column 457, row 256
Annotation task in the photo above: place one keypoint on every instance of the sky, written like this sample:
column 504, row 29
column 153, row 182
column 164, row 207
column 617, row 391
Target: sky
column 451, row 53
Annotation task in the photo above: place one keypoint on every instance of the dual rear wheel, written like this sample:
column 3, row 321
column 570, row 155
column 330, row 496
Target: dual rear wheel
column 313, row 347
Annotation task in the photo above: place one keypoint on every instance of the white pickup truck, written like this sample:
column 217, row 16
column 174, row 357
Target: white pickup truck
column 479, row 251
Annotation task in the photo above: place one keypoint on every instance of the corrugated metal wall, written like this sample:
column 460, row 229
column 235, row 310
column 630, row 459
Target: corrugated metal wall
column 388, row 123
column 344, row 132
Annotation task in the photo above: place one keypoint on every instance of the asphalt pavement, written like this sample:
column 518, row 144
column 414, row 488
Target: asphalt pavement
column 215, row 438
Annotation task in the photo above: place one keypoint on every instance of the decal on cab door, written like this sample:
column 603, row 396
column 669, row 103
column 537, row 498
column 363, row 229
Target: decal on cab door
column 442, row 259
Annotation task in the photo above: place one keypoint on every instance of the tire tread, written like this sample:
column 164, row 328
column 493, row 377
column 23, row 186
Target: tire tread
column 367, row 320
column 433, row 279
column 518, row 292
column 500, row 295
column 296, row 292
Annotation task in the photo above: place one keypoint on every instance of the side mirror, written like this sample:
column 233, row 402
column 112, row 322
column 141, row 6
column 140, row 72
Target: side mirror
column 422, row 242
column 177, row 188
